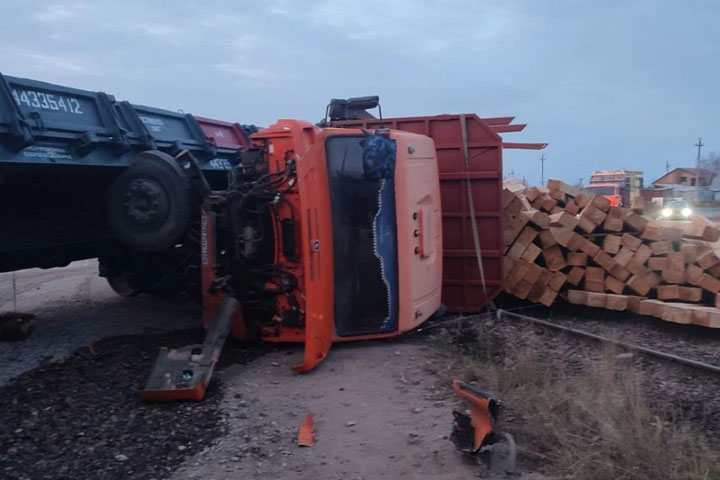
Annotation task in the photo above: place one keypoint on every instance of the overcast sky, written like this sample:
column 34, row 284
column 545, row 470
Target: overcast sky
column 608, row 84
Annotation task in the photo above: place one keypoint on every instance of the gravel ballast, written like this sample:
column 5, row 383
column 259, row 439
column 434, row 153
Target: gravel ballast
column 81, row 417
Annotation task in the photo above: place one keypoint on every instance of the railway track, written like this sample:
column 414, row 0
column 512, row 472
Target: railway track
column 677, row 366
column 651, row 352
column 691, row 346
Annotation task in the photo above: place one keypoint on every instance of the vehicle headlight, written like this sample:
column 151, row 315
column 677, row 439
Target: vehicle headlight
column 686, row 212
column 666, row 212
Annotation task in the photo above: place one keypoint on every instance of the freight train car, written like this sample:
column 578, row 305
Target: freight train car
column 83, row 175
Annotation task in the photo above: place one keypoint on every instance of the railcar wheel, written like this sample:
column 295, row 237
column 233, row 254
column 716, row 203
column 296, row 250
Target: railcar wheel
column 121, row 285
column 151, row 204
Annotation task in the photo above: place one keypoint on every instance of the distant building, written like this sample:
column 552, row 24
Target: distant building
column 688, row 177
column 690, row 184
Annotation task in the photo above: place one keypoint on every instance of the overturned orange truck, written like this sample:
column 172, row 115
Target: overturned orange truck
column 336, row 232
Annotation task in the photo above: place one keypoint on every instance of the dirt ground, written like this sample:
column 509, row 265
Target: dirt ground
column 381, row 409
column 378, row 413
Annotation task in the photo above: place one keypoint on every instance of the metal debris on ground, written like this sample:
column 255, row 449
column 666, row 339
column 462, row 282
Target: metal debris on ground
column 474, row 434
column 184, row 373
column 306, row 433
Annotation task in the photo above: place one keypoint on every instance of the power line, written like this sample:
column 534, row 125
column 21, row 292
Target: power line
column 699, row 145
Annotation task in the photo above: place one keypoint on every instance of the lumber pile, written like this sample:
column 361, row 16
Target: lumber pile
column 557, row 239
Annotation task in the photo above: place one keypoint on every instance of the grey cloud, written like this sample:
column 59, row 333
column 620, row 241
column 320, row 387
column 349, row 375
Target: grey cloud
column 609, row 84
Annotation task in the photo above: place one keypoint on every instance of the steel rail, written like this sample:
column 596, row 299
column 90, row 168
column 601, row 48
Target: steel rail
column 628, row 346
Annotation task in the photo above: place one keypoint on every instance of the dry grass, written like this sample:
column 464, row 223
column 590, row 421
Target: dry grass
column 590, row 426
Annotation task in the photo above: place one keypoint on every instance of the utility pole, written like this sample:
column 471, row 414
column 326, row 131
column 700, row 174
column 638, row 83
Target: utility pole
column 512, row 173
column 542, row 170
column 667, row 166
column 699, row 145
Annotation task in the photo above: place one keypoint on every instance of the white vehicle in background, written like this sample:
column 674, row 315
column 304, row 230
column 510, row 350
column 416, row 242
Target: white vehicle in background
column 676, row 210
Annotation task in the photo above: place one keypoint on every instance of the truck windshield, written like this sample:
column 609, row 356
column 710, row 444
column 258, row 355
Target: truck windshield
column 601, row 190
column 364, row 239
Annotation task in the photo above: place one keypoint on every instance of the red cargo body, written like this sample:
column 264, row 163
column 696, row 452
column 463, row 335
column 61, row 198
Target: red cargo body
column 462, row 286
column 224, row 134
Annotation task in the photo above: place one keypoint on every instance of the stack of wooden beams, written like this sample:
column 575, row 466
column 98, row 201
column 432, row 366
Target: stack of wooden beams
column 561, row 240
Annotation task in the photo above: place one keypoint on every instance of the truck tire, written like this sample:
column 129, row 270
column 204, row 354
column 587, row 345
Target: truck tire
column 150, row 205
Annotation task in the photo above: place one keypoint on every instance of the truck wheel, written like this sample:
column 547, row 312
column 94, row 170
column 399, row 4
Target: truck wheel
column 150, row 205
column 121, row 285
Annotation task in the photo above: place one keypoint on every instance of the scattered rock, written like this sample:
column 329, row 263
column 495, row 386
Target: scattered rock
column 121, row 458
column 350, row 423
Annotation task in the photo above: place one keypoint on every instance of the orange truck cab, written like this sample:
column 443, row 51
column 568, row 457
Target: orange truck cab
column 612, row 191
column 324, row 235
column 342, row 243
